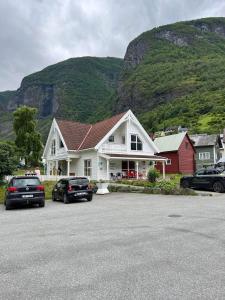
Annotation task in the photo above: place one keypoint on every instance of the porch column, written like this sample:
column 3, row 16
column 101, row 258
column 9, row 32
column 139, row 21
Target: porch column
column 48, row 168
column 137, row 169
column 68, row 167
column 107, row 169
column 56, row 166
column 163, row 167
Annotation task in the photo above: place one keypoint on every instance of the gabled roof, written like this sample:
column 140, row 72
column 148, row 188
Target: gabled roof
column 170, row 142
column 205, row 139
column 78, row 136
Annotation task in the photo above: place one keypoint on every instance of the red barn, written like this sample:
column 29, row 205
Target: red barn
column 180, row 152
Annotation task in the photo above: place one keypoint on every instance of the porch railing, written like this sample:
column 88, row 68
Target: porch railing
column 111, row 148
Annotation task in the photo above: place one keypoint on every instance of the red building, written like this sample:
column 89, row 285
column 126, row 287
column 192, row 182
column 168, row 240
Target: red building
column 180, row 152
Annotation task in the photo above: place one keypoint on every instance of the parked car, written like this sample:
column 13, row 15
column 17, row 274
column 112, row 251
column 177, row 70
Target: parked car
column 208, row 179
column 24, row 190
column 73, row 188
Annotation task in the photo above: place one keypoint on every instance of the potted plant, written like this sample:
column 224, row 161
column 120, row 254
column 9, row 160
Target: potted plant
column 102, row 187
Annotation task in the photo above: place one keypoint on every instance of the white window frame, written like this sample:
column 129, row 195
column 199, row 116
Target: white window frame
column 53, row 147
column 204, row 155
column 136, row 142
column 169, row 162
column 87, row 167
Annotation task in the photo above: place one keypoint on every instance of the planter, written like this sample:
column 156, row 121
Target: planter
column 102, row 188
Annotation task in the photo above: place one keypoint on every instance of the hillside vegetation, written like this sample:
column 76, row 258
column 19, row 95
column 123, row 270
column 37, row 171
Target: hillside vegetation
column 79, row 89
column 175, row 75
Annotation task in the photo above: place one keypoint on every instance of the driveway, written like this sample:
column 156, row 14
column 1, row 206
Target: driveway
column 119, row 246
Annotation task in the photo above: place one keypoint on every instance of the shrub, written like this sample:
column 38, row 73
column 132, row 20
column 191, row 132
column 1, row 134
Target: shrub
column 153, row 174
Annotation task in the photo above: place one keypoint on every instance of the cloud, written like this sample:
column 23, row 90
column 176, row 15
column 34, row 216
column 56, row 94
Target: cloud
column 37, row 33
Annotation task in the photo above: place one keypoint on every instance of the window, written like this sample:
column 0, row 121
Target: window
column 168, row 162
column 61, row 144
column 53, row 148
column 111, row 139
column 87, row 167
column 123, row 139
column 186, row 145
column 136, row 143
column 204, row 155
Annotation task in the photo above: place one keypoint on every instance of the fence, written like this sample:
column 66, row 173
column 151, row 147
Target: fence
column 44, row 177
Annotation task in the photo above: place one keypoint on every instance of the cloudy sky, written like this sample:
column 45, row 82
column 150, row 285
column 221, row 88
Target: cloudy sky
column 37, row 33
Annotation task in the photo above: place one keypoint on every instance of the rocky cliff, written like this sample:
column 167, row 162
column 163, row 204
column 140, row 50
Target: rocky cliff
column 175, row 72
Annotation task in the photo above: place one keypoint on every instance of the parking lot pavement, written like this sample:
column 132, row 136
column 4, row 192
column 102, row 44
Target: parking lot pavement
column 119, row 246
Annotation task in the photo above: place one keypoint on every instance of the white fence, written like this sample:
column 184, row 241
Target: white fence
column 44, row 177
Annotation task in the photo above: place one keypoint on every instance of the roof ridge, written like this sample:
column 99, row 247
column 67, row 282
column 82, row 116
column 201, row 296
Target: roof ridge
column 85, row 137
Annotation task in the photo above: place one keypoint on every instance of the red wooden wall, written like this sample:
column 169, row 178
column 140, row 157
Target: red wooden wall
column 186, row 157
column 183, row 160
column 174, row 167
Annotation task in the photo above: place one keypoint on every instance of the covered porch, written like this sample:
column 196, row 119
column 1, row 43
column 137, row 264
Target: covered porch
column 130, row 166
column 61, row 167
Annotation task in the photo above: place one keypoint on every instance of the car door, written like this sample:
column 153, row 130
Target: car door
column 56, row 189
column 198, row 180
column 62, row 189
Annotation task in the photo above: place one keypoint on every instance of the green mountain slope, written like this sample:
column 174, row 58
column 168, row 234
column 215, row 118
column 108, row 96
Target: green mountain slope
column 175, row 75
column 80, row 89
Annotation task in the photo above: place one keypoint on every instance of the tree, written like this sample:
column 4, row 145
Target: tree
column 8, row 159
column 28, row 139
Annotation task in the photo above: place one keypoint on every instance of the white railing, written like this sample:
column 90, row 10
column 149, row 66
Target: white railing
column 113, row 148
column 45, row 177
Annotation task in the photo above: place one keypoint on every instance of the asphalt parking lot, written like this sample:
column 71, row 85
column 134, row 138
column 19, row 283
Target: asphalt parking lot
column 119, row 246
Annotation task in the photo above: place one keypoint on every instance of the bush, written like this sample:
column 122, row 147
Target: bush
column 153, row 174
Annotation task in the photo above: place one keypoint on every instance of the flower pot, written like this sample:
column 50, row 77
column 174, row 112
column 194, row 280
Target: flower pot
column 102, row 188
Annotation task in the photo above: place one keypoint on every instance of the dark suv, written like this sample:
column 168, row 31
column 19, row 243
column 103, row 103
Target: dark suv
column 72, row 188
column 23, row 190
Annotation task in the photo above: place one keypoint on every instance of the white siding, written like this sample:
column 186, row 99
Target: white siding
column 77, row 165
column 147, row 148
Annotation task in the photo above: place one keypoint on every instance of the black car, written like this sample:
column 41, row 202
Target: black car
column 73, row 188
column 208, row 179
column 24, row 190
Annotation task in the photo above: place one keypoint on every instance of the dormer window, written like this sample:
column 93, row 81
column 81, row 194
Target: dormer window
column 61, row 144
column 53, row 148
column 111, row 139
column 136, row 143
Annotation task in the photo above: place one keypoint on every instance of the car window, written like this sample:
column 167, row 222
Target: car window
column 79, row 181
column 63, row 183
column 202, row 172
column 25, row 181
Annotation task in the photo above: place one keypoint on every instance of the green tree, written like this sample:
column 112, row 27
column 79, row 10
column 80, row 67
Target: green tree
column 8, row 159
column 28, row 139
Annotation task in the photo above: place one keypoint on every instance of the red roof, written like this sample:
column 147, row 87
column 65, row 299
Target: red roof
column 78, row 136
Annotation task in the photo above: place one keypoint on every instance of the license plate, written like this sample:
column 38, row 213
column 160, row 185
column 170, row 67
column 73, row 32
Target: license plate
column 27, row 196
column 80, row 194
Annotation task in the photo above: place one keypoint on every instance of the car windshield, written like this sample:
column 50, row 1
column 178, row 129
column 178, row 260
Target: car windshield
column 79, row 181
column 25, row 181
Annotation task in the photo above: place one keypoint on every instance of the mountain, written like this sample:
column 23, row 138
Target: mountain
column 175, row 75
column 79, row 89
column 171, row 75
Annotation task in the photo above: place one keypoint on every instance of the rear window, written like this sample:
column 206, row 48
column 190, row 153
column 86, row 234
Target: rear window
column 80, row 181
column 25, row 181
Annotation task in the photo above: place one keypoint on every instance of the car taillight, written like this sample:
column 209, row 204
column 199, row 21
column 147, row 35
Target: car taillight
column 40, row 188
column 69, row 188
column 12, row 189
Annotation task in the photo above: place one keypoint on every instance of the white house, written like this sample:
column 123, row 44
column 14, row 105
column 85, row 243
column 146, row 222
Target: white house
column 116, row 147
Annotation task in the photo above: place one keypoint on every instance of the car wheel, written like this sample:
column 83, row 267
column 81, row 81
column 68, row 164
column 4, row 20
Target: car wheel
column 185, row 184
column 218, row 187
column 65, row 199
column 42, row 204
column 89, row 198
